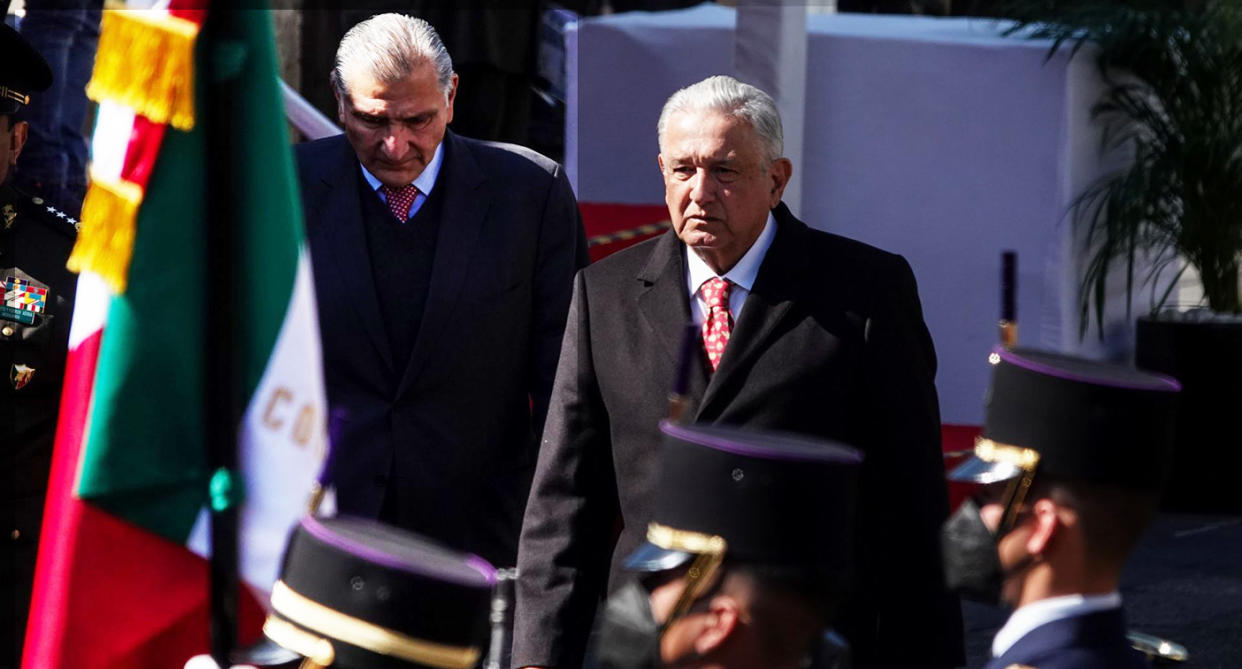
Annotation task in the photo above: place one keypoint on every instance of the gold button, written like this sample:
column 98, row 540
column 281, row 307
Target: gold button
column 16, row 534
column 37, row 200
column 8, row 331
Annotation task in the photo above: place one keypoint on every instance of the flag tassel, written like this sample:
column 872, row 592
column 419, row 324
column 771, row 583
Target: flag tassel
column 146, row 61
column 106, row 238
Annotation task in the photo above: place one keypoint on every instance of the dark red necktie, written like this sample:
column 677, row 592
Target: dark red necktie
column 400, row 200
column 719, row 321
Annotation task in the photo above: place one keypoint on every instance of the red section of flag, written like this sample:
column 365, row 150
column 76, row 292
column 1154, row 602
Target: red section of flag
column 142, row 150
column 61, row 511
column 109, row 594
column 601, row 220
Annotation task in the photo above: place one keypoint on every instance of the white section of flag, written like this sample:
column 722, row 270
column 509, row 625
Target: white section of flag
column 114, row 124
column 283, row 439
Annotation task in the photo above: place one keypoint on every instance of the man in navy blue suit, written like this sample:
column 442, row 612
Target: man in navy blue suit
column 1072, row 458
column 443, row 269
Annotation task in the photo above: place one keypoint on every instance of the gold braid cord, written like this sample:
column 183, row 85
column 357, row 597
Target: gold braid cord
column 709, row 550
column 357, row 632
column 1024, row 459
column 317, row 650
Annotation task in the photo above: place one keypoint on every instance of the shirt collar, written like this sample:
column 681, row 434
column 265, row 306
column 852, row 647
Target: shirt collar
column 743, row 273
column 425, row 181
column 1035, row 614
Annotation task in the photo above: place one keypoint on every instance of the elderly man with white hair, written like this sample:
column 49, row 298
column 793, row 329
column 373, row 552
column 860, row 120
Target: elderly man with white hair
column 443, row 270
column 801, row 331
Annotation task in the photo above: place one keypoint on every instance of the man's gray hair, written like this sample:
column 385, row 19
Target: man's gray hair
column 389, row 47
column 731, row 97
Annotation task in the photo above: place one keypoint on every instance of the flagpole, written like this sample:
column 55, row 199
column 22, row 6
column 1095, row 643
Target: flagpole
column 223, row 402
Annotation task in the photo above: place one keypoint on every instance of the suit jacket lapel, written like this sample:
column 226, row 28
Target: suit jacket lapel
column 774, row 292
column 345, row 243
column 466, row 202
column 664, row 306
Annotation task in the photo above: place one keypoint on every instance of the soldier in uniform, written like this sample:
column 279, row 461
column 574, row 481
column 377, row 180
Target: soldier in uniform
column 747, row 555
column 35, row 240
column 1071, row 459
column 357, row 594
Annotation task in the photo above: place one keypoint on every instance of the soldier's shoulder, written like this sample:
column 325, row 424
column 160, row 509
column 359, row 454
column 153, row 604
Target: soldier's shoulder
column 17, row 207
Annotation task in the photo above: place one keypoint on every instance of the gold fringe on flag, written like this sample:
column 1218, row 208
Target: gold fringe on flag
column 106, row 237
column 145, row 61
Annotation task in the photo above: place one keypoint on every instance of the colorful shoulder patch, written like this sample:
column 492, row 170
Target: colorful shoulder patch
column 22, row 300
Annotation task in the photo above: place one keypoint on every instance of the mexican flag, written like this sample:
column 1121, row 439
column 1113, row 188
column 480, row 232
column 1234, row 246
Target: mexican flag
column 121, row 580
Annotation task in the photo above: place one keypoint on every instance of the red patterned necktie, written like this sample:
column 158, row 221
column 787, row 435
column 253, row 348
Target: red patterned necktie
column 719, row 320
column 400, row 200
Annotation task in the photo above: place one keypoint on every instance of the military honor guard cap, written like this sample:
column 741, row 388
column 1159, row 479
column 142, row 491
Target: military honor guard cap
column 751, row 497
column 1074, row 420
column 358, row 594
column 22, row 71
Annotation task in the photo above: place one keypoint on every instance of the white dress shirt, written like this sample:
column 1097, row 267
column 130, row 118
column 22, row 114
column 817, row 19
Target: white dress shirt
column 742, row 275
column 424, row 183
column 1045, row 611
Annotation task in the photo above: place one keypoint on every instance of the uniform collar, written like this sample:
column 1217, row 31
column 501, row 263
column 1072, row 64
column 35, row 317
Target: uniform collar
column 1045, row 611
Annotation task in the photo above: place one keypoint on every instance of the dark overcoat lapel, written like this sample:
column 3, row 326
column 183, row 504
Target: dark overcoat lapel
column 345, row 244
column 774, row 291
column 664, row 306
column 466, row 203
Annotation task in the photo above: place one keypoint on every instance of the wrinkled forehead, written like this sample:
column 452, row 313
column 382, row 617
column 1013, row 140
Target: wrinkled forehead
column 417, row 94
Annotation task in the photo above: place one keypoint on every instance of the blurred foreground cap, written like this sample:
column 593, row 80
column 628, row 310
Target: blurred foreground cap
column 760, row 497
column 1073, row 419
column 356, row 593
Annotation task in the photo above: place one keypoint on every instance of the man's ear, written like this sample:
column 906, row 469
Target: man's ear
column 1047, row 522
column 722, row 618
column 451, row 96
column 340, row 105
column 780, row 172
column 20, row 129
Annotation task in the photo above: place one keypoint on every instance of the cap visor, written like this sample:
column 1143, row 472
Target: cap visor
column 976, row 470
column 650, row 557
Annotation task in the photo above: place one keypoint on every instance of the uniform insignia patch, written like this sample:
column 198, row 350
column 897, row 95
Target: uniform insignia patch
column 22, row 300
column 9, row 214
column 21, row 375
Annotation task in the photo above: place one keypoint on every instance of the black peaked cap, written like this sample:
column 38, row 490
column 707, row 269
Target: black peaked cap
column 776, row 499
column 22, row 69
column 389, row 578
column 1089, row 421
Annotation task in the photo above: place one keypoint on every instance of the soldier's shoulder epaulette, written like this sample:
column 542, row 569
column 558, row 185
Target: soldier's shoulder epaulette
column 43, row 211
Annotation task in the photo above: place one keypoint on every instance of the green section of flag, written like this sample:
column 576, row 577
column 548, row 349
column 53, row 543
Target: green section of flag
column 269, row 211
column 145, row 457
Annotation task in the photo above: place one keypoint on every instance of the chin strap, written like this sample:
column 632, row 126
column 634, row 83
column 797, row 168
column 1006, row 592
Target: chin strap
column 709, row 552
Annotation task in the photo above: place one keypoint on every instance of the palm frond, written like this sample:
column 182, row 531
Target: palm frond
column 1173, row 103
